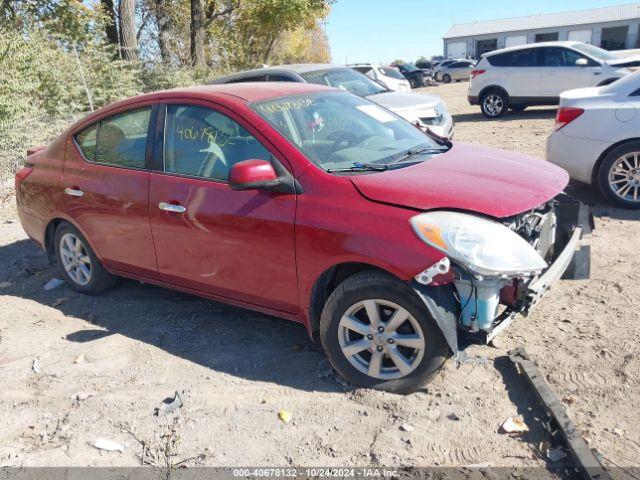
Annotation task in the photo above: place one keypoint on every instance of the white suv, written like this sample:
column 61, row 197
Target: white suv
column 390, row 77
column 536, row 74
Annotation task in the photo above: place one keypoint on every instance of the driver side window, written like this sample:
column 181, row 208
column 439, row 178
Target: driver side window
column 201, row 142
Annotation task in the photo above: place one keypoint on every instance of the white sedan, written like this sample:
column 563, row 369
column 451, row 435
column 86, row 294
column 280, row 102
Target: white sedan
column 597, row 138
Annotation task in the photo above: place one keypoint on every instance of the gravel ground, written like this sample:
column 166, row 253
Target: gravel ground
column 106, row 363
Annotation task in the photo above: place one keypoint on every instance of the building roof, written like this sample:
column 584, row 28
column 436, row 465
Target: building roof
column 547, row 20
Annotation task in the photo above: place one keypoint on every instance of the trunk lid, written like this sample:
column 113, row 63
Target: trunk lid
column 468, row 177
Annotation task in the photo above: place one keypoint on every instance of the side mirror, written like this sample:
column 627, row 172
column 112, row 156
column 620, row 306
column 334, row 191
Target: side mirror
column 582, row 62
column 253, row 175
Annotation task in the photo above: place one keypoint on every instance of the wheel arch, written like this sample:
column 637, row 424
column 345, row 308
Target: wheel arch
column 492, row 88
column 49, row 236
column 603, row 155
column 327, row 282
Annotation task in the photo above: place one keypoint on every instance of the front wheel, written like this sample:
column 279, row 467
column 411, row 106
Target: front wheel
column 619, row 176
column 377, row 334
column 80, row 266
column 446, row 78
column 494, row 104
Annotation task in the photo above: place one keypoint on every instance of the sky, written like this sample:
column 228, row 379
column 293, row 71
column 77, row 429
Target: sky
column 386, row 30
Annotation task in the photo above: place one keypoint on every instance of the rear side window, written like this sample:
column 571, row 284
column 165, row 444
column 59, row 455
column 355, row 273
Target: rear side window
column 500, row 60
column 524, row 58
column 280, row 78
column 120, row 140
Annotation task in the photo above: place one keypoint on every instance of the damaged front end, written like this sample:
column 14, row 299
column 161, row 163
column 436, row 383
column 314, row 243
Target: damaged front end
column 496, row 270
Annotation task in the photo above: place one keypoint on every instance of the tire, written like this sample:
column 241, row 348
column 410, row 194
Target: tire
column 494, row 104
column 519, row 108
column 386, row 295
column 618, row 175
column 413, row 83
column 446, row 78
column 72, row 257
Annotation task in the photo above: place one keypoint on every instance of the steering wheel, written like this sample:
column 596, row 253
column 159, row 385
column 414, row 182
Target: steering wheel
column 348, row 138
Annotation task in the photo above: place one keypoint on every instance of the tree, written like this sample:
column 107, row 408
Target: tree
column 203, row 14
column 162, row 22
column 127, row 21
column 110, row 27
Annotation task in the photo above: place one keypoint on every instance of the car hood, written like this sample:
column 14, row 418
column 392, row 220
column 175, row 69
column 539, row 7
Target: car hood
column 468, row 177
column 402, row 101
column 631, row 61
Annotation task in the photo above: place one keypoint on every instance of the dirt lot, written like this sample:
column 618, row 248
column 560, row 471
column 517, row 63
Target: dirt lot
column 121, row 353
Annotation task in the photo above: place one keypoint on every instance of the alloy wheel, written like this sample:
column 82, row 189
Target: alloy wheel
column 624, row 177
column 75, row 259
column 493, row 104
column 381, row 339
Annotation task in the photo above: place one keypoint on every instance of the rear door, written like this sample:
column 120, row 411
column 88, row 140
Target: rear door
column 521, row 73
column 234, row 244
column 106, row 182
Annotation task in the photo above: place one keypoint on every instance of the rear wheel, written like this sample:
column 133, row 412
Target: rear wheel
column 619, row 175
column 377, row 334
column 80, row 266
column 446, row 78
column 494, row 104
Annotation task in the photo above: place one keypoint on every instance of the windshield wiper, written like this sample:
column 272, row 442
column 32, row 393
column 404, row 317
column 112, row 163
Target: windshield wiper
column 412, row 152
column 360, row 167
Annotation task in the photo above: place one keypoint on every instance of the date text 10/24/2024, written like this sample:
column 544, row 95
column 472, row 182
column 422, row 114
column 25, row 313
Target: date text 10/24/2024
column 291, row 472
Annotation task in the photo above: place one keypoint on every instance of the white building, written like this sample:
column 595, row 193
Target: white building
column 612, row 28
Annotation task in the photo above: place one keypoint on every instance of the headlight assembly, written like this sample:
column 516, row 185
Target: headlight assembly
column 483, row 246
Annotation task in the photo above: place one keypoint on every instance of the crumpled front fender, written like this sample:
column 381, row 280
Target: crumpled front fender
column 443, row 308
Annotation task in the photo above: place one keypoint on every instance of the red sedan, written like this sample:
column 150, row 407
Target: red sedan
column 310, row 204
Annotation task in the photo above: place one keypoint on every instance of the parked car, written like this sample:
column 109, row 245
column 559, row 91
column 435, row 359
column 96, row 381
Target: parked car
column 444, row 63
column 596, row 139
column 425, row 65
column 417, row 77
column 536, row 74
column 423, row 110
column 455, row 71
column 387, row 76
column 306, row 203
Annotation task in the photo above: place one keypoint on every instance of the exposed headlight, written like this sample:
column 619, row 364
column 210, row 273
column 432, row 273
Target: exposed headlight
column 483, row 246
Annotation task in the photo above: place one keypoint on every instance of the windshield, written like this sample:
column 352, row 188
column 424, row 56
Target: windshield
column 595, row 52
column 336, row 130
column 391, row 72
column 346, row 79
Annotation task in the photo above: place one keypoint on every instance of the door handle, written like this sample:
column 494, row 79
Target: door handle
column 169, row 207
column 597, row 73
column 74, row 192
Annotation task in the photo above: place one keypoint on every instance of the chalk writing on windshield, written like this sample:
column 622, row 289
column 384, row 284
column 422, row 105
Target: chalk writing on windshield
column 285, row 105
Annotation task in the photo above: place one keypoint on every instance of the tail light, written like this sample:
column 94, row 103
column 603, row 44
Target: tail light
column 22, row 174
column 475, row 73
column 567, row 115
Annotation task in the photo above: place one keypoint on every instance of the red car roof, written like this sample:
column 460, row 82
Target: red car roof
column 246, row 91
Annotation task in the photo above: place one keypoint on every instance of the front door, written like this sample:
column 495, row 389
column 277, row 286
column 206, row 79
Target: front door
column 560, row 72
column 106, row 181
column 233, row 244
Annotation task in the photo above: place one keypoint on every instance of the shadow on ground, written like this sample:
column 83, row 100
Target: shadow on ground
column 227, row 339
column 534, row 114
